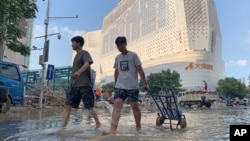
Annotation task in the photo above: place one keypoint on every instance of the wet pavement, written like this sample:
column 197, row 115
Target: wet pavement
column 203, row 124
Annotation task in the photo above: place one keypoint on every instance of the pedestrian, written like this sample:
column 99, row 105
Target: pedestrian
column 97, row 93
column 205, row 85
column 81, row 86
column 127, row 66
column 106, row 95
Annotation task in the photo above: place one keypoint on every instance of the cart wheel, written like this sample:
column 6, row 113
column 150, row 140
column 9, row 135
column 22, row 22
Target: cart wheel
column 158, row 121
column 183, row 123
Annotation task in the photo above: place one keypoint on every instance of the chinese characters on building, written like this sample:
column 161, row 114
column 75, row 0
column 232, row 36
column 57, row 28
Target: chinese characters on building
column 192, row 66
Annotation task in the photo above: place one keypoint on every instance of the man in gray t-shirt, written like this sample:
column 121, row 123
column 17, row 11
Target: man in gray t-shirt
column 127, row 66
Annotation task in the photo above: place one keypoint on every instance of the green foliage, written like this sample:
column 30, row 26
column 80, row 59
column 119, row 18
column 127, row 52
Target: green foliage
column 109, row 87
column 231, row 87
column 11, row 14
column 164, row 80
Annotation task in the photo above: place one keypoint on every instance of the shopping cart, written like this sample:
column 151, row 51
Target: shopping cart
column 169, row 110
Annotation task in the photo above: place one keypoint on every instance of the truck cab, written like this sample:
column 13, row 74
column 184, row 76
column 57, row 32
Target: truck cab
column 180, row 96
column 11, row 78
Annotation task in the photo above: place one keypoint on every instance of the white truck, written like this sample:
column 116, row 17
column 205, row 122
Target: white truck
column 198, row 98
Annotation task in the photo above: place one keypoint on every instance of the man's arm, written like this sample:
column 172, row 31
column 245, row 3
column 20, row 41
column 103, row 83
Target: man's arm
column 116, row 75
column 142, row 74
column 82, row 69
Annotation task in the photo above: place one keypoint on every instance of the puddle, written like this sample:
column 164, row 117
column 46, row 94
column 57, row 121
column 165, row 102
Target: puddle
column 26, row 123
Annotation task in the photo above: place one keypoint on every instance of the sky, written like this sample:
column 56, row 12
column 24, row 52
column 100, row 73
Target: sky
column 233, row 16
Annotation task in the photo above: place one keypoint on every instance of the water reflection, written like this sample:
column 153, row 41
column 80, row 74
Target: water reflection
column 24, row 123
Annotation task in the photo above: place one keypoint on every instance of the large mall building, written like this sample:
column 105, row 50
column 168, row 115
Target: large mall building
column 180, row 35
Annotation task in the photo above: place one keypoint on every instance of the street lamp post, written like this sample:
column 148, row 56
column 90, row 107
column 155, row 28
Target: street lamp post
column 46, row 22
column 44, row 58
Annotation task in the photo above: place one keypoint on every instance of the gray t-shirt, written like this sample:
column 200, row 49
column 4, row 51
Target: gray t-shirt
column 126, row 66
column 85, row 77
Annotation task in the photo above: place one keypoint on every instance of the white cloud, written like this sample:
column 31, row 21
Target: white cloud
column 39, row 30
column 72, row 33
column 239, row 62
column 54, row 29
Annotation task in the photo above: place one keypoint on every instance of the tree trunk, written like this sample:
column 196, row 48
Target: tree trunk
column 2, row 48
column 2, row 40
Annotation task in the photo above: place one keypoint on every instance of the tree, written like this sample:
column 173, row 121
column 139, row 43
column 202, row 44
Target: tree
column 231, row 87
column 248, row 81
column 163, row 81
column 12, row 12
column 109, row 87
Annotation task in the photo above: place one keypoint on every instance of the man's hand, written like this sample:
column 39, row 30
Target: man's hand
column 146, row 87
column 75, row 75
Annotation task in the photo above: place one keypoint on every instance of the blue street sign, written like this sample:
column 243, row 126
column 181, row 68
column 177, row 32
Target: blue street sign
column 50, row 72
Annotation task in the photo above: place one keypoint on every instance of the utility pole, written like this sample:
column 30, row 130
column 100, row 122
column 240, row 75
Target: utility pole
column 46, row 22
column 44, row 58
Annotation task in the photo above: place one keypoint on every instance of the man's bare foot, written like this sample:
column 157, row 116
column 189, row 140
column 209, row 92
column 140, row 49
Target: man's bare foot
column 104, row 133
column 138, row 131
column 98, row 125
column 63, row 128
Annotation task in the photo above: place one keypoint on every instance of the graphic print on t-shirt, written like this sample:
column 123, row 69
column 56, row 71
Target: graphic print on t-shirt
column 124, row 66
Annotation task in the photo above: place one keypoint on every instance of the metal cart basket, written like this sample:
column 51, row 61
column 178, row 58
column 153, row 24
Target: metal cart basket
column 169, row 110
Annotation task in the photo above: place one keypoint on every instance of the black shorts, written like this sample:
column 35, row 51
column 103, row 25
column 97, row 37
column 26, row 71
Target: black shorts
column 76, row 94
column 132, row 95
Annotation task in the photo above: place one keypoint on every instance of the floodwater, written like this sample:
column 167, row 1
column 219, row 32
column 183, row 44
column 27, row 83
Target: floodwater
column 203, row 124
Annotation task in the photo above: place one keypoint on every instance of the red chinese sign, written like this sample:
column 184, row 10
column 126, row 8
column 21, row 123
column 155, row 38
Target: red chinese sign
column 192, row 66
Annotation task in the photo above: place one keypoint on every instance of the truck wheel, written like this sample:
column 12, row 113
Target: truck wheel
column 208, row 104
column 6, row 105
column 182, row 104
column 198, row 104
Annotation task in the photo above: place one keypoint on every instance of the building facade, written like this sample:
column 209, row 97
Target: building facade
column 180, row 35
column 26, row 25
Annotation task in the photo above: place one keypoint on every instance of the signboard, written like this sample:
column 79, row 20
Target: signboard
column 192, row 66
column 46, row 51
column 50, row 72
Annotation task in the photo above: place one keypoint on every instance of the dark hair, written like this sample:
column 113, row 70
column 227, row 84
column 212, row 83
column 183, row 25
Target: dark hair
column 121, row 40
column 78, row 39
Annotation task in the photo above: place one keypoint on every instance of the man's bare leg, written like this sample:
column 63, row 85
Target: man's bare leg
column 94, row 113
column 118, row 104
column 66, row 113
column 137, row 115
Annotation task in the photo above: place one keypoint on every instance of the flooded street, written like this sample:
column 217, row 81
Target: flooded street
column 209, row 124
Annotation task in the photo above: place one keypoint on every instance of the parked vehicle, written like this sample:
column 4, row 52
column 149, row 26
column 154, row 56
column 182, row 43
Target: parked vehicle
column 11, row 79
column 198, row 98
column 236, row 101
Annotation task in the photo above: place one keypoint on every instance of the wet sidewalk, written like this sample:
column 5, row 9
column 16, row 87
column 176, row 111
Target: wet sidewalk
column 27, row 123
